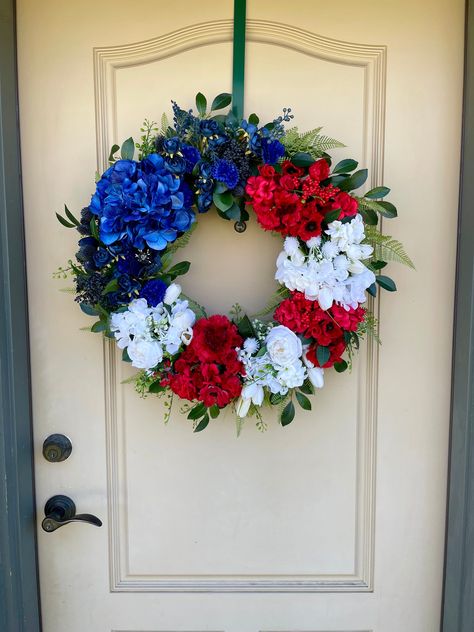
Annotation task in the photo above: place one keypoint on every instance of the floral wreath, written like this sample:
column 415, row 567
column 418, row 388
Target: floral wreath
column 144, row 210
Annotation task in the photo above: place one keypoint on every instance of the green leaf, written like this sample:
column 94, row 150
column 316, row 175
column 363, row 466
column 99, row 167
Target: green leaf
column 64, row 222
column 276, row 398
column 223, row 201
column 125, row 356
column 332, row 215
column 369, row 216
column 214, row 411
column 377, row 265
column 88, row 309
column 198, row 411
column 261, row 352
column 202, row 424
column 377, row 193
column 71, row 217
column 323, row 354
column 128, row 149
column 253, row 119
column 113, row 149
column 345, row 166
column 234, row 212
column 372, row 290
column 303, row 401
column 220, row 187
column 98, row 327
column 245, row 328
column 307, row 388
column 340, row 366
column 180, row 268
column 288, row 414
column 221, row 101
column 302, row 159
column 356, row 180
column 201, row 103
column 389, row 210
column 94, row 229
column 111, row 286
column 156, row 388
column 386, row 282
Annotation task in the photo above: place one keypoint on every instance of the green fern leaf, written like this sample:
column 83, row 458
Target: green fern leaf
column 386, row 248
column 182, row 241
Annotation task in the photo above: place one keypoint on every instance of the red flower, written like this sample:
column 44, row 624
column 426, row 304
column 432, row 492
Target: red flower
column 214, row 338
column 346, row 203
column 209, row 369
column 310, row 221
column 319, row 170
column 336, row 350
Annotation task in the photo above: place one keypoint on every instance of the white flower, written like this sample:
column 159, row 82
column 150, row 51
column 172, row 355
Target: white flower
column 329, row 250
column 292, row 375
column 325, row 298
column 314, row 242
column 284, row 347
column 316, row 376
column 172, row 293
column 145, row 354
column 242, row 407
column 291, row 245
column 250, row 345
column 187, row 336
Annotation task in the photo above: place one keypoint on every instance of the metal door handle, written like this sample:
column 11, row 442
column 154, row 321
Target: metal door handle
column 60, row 510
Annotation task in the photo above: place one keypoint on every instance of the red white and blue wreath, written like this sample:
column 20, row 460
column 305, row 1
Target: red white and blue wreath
column 144, row 210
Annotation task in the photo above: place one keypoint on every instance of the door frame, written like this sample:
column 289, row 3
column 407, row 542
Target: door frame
column 19, row 585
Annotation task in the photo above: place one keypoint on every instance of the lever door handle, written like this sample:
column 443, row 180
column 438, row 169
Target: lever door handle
column 60, row 510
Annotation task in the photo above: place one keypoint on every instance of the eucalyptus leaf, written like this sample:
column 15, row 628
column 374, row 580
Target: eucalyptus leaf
column 113, row 149
column 179, row 269
column 303, row 401
column 223, row 201
column 302, row 159
column 355, row 181
column 386, row 282
column 198, row 411
column 377, row 193
column 340, row 366
column 323, row 354
column 88, row 309
column 221, row 101
column 128, row 149
column 201, row 103
column 202, row 424
column 288, row 414
column 345, row 165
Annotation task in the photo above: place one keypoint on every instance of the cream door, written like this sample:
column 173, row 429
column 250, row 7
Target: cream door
column 337, row 521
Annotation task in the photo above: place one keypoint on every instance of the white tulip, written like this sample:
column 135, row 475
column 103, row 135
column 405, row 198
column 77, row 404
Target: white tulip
column 172, row 293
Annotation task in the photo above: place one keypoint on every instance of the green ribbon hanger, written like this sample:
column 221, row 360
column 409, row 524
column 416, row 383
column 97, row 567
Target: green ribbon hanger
column 238, row 66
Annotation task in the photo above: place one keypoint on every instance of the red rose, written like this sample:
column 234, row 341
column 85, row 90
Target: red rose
column 319, row 170
column 346, row 203
column 289, row 183
column 267, row 171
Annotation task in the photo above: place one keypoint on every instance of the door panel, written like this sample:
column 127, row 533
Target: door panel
column 341, row 513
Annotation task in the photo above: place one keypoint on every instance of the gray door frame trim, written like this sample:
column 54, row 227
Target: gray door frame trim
column 458, row 597
column 19, row 588
column 19, row 585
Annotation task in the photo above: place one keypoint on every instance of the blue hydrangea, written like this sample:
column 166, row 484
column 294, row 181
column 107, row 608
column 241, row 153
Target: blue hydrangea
column 272, row 150
column 154, row 292
column 226, row 172
column 191, row 155
column 141, row 202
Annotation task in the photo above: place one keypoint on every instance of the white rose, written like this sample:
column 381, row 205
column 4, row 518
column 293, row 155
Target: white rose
column 172, row 293
column 145, row 354
column 292, row 376
column 284, row 347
